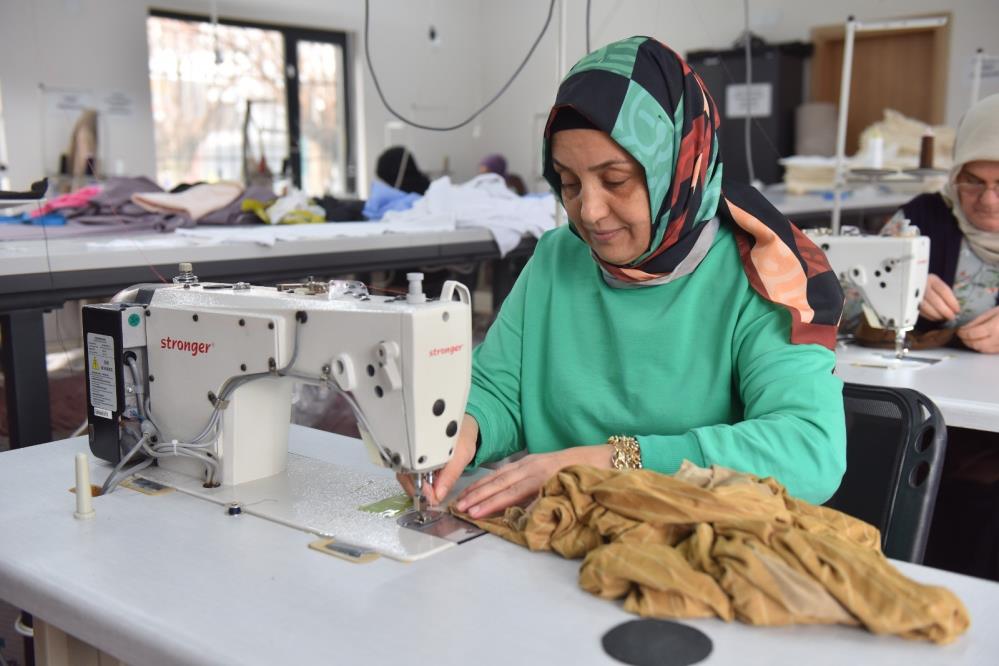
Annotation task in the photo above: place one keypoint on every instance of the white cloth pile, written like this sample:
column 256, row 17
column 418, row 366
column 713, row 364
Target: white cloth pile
column 485, row 201
column 901, row 139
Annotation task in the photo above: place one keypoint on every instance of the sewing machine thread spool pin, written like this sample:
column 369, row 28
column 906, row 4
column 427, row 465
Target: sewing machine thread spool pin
column 84, row 491
column 415, row 293
column 186, row 274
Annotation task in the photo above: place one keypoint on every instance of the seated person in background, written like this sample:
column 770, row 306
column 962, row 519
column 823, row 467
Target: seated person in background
column 397, row 167
column 962, row 293
column 496, row 163
column 676, row 316
column 962, row 222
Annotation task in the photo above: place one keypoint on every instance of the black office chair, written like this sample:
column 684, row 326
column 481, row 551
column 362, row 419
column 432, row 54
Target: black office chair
column 895, row 445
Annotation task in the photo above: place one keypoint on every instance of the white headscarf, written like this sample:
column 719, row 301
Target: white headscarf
column 977, row 139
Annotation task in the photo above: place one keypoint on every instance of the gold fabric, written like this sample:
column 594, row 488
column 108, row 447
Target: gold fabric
column 717, row 543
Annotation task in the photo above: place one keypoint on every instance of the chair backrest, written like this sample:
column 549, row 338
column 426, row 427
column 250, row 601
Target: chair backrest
column 895, row 445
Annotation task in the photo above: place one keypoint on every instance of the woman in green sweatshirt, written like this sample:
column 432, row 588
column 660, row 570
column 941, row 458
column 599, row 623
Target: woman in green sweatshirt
column 676, row 317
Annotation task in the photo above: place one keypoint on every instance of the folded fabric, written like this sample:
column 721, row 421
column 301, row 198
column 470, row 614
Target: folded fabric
column 47, row 220
column 194, row 202
column 299, row 216
column 884, row 338
column 717, row 543
column 385, row 198
column 257, row 208
column 71, row 200
column 341, row 210
column 486, row 202
column 116, row 198
column 294, row 208
column 109, row 212
column 234, row 212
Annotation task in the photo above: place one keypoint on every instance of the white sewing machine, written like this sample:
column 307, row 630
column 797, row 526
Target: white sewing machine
column 889, row 272
column 198, row 376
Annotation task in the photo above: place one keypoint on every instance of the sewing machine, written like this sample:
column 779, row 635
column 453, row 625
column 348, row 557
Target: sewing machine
column 889, row 272
column 199, row 376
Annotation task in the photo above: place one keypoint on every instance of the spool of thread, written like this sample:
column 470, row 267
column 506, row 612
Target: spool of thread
column 926, row 150
column 84, row 508
column 877, row 152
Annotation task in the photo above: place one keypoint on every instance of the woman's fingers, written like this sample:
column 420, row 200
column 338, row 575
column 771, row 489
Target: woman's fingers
column 939, row 302
column 491, row 485
column 936, row 307
column 512, row 494
column 406, row 481
column 982, row 332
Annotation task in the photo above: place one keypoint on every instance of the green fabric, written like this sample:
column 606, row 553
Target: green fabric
column 698, row 368
column 617, row 57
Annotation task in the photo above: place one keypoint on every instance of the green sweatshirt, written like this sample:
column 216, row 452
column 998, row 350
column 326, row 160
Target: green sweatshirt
column 699, row 369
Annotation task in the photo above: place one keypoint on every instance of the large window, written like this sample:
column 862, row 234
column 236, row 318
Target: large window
column 241, row 101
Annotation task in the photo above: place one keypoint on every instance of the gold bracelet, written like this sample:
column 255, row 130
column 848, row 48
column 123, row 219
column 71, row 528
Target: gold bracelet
column 627, row 453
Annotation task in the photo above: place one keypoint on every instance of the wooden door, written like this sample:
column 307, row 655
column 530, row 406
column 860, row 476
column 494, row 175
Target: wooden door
column 905, row 70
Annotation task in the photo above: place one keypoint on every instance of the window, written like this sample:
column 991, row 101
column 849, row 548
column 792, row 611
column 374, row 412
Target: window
column 249, row 102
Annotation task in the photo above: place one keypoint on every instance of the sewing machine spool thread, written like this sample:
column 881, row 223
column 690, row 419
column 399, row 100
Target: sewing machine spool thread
column 84, row 508
column 926, row 150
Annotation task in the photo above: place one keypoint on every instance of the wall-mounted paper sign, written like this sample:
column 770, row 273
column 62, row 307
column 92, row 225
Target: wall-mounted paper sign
column 67, row 102
column 118, row 104
column 755, row 100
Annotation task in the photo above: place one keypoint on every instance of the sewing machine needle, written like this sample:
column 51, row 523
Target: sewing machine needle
column 418, row 498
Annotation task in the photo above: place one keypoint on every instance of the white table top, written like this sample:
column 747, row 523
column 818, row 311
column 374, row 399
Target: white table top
column 97, row 252
column 172, row 580
column 859, row 199
column 965, row 385
column 216, row 243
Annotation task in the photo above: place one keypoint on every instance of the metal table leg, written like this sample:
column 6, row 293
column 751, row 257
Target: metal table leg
column 26, row 381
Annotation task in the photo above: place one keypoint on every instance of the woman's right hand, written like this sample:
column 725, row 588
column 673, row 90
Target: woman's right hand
column 444, row 480
column 939, row 302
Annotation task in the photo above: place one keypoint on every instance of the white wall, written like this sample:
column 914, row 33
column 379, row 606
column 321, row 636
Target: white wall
column 83, row 45
column 687, row 25
column 101, row 45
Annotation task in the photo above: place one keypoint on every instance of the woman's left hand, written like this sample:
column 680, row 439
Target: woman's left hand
column 982, row 332
column 521, row 480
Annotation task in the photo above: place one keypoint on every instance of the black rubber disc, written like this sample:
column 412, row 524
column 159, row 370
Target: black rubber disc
column 656, row 643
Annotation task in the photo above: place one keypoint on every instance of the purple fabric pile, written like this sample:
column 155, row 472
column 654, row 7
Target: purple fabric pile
column 112, row 212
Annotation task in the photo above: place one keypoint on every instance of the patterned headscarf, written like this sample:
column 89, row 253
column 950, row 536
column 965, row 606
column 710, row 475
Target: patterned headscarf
column 654, row 106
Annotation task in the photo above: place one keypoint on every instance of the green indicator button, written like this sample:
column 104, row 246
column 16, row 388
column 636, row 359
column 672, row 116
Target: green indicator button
column 134, row 319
